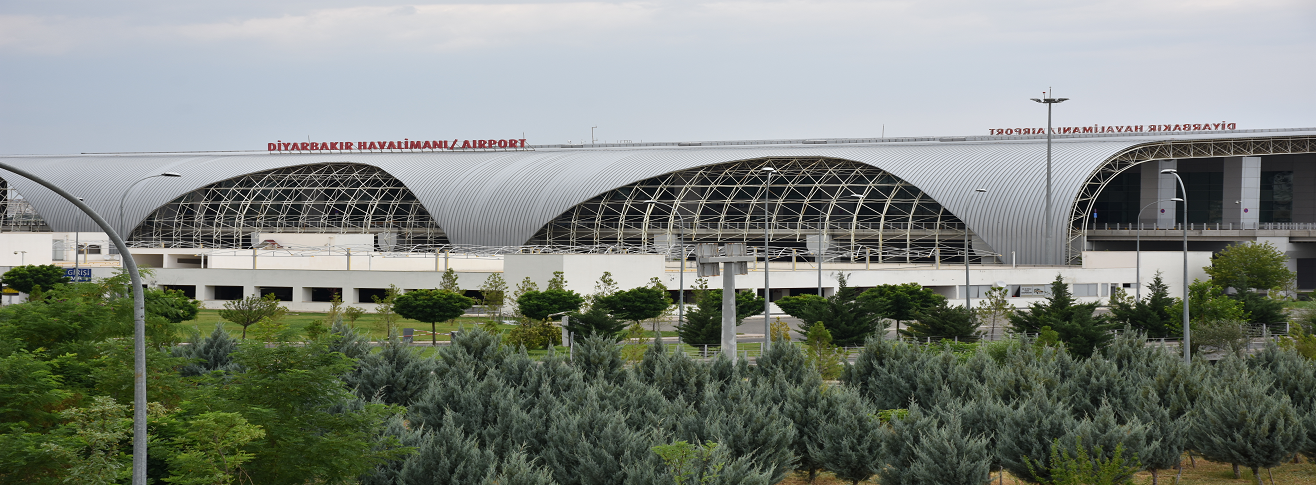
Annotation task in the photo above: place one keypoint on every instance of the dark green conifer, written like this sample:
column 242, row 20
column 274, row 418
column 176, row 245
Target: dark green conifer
column 1081, row 331
column 517, row 469
column 885, row 372
column 943, row 321
column 1153, row 315
column 387, row 473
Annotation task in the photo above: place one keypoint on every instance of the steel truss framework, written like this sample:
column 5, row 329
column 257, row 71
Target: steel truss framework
column 318, row 198
column 16, row 214
column 892, row 221
column 1081, row 213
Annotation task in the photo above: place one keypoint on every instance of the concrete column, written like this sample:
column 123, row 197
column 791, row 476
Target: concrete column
column 1158, row 187
column 1242, row 192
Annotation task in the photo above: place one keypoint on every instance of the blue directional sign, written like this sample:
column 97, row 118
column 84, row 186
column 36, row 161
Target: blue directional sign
column 78, row 275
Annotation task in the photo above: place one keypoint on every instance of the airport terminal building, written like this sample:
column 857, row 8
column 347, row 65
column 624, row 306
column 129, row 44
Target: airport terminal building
column 875, row 205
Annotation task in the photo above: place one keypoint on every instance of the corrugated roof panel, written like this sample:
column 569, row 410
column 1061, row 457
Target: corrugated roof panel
column 503, row 198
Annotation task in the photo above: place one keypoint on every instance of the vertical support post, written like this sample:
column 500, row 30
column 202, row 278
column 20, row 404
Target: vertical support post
column 729, row 310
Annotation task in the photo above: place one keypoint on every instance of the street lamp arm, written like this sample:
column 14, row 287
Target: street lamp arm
column 139, row 322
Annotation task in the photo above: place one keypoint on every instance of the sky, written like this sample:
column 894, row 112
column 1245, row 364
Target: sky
column 167, row 75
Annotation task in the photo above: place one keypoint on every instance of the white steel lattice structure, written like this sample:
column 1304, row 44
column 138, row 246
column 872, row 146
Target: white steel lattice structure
column 319, row 198
column 892, row 219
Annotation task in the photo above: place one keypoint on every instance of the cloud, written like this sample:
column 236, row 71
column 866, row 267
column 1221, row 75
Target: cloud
column 462, row 27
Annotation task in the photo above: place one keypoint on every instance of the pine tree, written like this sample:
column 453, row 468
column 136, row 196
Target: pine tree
column 943, row 321
column 448, row 282
column 447, row 456
column 209, row 354
column 849, row 318
column 1153, row 315
column 557, row 282
column 1242, row 419
column 595, row 322
column 397, row 374
column 849, row 438
column 948, row 454
column 1081, row 331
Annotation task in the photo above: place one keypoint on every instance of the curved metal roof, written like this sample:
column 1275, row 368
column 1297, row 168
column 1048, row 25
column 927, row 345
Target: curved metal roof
column 502, row 198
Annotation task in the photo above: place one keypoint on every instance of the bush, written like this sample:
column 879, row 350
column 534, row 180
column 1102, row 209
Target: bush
column 534, row 335
column 30, row 277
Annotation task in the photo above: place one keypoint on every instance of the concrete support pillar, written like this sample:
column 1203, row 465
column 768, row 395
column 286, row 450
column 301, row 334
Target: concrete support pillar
column 1158, row 187
column 1242, row 194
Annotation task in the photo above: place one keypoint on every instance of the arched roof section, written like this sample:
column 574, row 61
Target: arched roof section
column 502, row 198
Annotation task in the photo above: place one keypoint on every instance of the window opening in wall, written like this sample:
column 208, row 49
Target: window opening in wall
column 188, row 290
column 228, row 293
column 281, row 293
column 1118, row 202
column 1206, row 194
column 325, row 294
column 368, row 295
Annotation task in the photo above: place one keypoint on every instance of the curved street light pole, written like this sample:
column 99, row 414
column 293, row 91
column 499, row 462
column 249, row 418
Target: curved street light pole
column 139, row 323
column 122, row 230
column 1187, row 354
column 1137, row 247
column 680, row 242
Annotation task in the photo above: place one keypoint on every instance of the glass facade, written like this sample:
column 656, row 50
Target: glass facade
column 1206, row 193
column 1276, row 197
column 1118, row 202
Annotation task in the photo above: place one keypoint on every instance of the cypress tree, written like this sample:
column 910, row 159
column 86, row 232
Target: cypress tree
column 1028, row 430
column 743, row 417
column 980, row 414
column 1105, row 432
column 885, row 373
column 447, row 456
column 948, row 454
column 517, row 469
column 476, row 349
column 809, row 405
column 209, row 354
column 598, row 358
column 590, row 445
column 1241, row 419
column 397, row 374
column 1153, row 315
column 899, row 446
column 674, row 374
column 849, row 437
column 388, row 472
column 1295, row 376
column 788, row 361
column 345, row 339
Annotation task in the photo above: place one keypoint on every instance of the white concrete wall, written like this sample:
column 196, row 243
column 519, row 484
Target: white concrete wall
column 583, row 270
column 293, row 239
column 32, row 248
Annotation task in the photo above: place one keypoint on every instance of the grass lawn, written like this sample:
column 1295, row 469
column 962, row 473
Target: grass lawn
column 1206, row 473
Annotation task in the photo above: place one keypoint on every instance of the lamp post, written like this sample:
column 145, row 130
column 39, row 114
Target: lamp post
column 1187, row 355
column 767, row 288
column 680, row 241
column 967, row 304
column 139, row 323
column 22, row 257
column 1137, row 247
column 1046, row 226
column 130, row 188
